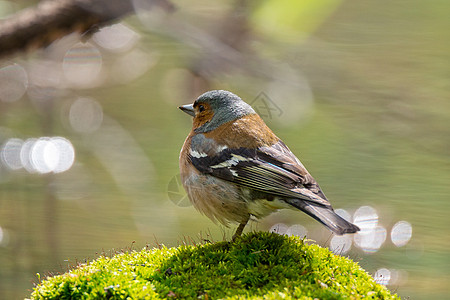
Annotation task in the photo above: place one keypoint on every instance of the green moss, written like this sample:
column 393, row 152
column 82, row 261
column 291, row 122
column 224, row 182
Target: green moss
column 256, row 266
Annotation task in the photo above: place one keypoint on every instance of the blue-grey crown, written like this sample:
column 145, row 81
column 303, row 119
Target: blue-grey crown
column 226, row 106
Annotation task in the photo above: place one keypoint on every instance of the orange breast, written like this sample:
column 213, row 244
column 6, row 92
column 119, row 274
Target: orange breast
column 249, row 131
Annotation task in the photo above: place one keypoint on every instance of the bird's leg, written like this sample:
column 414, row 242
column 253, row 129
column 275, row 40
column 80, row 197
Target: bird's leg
column 240, row 229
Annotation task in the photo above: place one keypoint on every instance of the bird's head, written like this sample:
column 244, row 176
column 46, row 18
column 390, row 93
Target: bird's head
column 215, row 108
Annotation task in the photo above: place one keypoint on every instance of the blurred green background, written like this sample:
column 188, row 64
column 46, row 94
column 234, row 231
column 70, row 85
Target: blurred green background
column 359, row 90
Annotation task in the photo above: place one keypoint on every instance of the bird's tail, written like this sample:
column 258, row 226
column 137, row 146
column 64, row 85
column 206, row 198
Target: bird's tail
column 325, row 215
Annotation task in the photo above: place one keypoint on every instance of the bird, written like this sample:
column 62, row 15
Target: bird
column 234, row 168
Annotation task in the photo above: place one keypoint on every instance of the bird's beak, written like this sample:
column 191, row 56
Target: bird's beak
column 188, row 108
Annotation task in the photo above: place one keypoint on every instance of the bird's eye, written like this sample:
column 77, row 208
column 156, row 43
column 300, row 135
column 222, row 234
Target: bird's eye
column 201, row 108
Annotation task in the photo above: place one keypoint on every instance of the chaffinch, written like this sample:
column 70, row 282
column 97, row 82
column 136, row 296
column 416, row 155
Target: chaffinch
column 234, row 167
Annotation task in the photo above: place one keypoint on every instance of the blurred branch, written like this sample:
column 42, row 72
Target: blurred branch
column 39, row 26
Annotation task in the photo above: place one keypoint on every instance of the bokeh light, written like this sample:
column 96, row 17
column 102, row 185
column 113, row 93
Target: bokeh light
column 401, row 233
column 397, row 277
column 293, row 230
column 370, row 241
column 279, row 228
column 82, row 65
column 85, row 115
column 43, row 155
column 64, row 154
column 25, row 155
column 10, row 153
column 382, row 276
column 13, row 82
column 372, row 236
column 116, row 38
column 366, row 218
column 297, row 230
column 341, row 244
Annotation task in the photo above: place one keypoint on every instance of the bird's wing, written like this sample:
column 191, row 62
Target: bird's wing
column 274, row 170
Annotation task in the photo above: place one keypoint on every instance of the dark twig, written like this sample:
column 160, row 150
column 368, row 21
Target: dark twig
column 50, row 20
